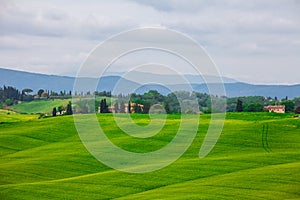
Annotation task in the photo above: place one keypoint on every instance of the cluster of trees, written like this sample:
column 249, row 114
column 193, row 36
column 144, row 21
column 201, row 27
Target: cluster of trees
column 103, row 106
column 141, row 103
column 103, row 93
column 10, row 95
column 247, row 104
column 90, row 105
column 62, row 110
column 235, row 104
column 257, row 103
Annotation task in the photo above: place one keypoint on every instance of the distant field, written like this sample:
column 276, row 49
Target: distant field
column 7, row 116
column 45, row 159
column 39, row 106
column 43, row 106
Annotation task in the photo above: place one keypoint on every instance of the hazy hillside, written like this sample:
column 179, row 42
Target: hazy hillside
column 245, row 89
column 35, row 81
column 168, row 79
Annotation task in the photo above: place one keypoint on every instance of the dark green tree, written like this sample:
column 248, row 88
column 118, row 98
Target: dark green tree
column 137, row 108
column 289, row 106
column 54, row 112
column 167, row 108
column 9, row 93
column 173, row 103
column 60, row 109
column 129, row 107
column 297, row 110
column 103, row 106
column 26, row 91
column 9, row 102
column 239, row 106
column 146, row 107
column 40, row 92
column 26, row 94
column 255, row 107
column 297, row 101
column 69, row 109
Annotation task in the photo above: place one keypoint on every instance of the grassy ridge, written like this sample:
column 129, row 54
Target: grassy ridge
column 46, row 106
column 45, row 159
column 39, row 106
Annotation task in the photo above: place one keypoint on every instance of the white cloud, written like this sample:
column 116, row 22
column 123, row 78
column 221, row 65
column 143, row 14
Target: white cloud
column 243, row 37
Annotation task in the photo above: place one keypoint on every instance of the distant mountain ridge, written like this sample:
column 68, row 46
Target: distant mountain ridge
column 35, row 81
column 170, row 79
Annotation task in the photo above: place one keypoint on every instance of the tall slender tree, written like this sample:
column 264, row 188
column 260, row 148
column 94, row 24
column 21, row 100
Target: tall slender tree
column 69, row 109
column 103, row 106
column 54, row 112
column 129, row 107
column 297, row 110
column 239, row 106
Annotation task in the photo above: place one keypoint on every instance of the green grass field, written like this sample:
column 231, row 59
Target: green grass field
column 39, row 106
column 46, row 106
column 45, row 159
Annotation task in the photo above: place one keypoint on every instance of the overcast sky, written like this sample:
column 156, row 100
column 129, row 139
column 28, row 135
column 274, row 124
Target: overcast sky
column 255, row 41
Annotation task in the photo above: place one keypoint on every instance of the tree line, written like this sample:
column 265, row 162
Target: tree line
column 10, row 95
column 141, row 103
column 171, row 103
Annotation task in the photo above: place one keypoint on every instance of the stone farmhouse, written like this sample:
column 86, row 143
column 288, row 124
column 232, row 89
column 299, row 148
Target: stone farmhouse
column 276, row 108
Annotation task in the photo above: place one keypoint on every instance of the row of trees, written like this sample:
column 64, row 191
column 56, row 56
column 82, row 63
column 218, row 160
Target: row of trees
column 257, row 103
column 10, row 95
column 173, row 102
column 141, row 103
column 246, row 104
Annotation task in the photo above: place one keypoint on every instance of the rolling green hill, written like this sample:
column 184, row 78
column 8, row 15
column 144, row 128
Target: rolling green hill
column 45, row 106
column 45, row 159
column 39, row 106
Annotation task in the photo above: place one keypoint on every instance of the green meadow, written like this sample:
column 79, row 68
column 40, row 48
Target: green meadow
column 46, row 106
column 39, row 106
column 256, row 157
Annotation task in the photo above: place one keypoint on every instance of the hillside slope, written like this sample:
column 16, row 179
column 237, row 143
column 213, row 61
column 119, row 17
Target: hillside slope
column 45, row 159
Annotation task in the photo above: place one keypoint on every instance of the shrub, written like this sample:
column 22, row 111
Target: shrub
column 297, row 110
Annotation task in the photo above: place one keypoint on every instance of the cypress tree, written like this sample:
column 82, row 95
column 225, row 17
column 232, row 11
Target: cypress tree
column 239, row 106
column 101, row 106
column 54, row 112
column 129, row 107
column 69, row 108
